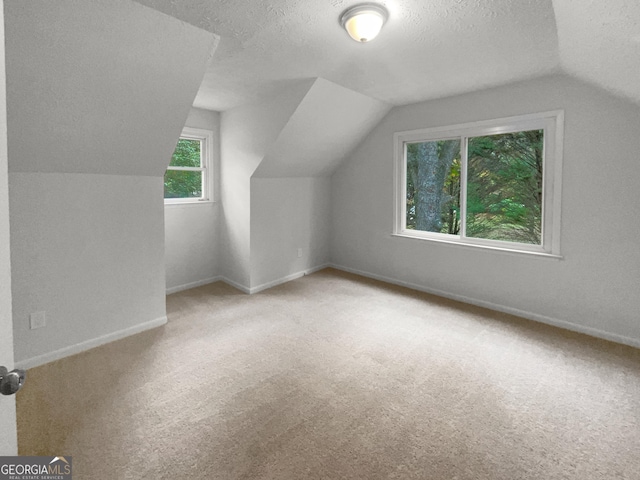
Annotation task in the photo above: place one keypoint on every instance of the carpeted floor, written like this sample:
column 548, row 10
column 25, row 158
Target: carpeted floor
column 333, row 376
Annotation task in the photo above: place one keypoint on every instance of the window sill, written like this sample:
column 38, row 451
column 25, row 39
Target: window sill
column 189, row 204
column 474, row 246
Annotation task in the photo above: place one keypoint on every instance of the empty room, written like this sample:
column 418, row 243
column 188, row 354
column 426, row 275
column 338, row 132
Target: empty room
column 305, row 239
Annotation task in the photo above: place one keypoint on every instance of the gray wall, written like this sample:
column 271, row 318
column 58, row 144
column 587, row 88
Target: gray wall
column 88, row 251
column 593, row 289
column 97, row 94
column 288, row 214
column 277, row 156
column 246, row 134
column 192, row 231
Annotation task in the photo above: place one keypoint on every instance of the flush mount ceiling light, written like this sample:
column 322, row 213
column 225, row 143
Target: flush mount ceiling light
column 363, row 22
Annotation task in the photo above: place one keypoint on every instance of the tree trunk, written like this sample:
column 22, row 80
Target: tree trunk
column 433, row 168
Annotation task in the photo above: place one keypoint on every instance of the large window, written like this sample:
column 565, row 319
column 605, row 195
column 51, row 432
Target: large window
column 494, row 184
column 188, row 177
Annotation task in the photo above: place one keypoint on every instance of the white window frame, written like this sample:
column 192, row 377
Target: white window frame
column 206, row 167
column 551, row 122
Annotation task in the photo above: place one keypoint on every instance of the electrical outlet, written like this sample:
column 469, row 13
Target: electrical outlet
column 37, row 320
column 299, row 253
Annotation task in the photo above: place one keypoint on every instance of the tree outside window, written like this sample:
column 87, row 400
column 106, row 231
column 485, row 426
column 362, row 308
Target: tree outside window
column 471, row 185
column 187, row 177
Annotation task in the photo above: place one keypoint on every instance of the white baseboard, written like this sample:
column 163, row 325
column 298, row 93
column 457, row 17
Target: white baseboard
column 80, row 347
column 593, row 332
column 237, row 285
column 199, row 283
column 273, row 283
column 207, row 281
column 94, row 342
column 286, row 279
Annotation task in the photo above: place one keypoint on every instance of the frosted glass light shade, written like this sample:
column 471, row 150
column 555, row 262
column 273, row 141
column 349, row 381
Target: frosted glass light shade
column 363, row 22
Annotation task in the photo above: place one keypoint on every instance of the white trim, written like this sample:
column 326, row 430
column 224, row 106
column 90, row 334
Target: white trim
column 512, row 250
column 273, row 283
column 399, row 183
column 110, row 337
column 89, row 344
column 286, row 279
column 172, row 202
column 199, row 283
column 207, row 168
column 551, row 122
column 236, row 285
column 464, row 182
column 488, row 127
column 190, row 204
column 558, row 156
column 555, row 322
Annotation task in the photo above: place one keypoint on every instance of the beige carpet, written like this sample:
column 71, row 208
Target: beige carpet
column 333, row 376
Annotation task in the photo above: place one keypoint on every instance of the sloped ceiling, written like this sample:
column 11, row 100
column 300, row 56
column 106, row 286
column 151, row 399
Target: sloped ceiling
column 329, row 122
column 427, row 49
column 98, row 87
column 599, row 41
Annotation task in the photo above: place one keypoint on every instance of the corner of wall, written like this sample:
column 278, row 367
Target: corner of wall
column 97, row 93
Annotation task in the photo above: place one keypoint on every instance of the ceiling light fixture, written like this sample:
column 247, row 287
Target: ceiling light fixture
column 363, row 22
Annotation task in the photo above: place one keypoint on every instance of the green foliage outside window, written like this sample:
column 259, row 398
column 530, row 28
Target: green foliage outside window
column 184, row 183
column 504, row 187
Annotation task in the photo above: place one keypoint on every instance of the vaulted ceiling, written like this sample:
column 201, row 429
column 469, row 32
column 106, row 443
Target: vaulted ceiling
column 427, row 49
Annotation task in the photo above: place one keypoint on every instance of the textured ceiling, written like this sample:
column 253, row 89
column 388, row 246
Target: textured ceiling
column 599, row 42
column 427, row 49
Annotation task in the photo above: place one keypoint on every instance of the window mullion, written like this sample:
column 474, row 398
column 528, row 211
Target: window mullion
column 506, row 175
column 464, row 147
column 403, row 189
column 181, row 188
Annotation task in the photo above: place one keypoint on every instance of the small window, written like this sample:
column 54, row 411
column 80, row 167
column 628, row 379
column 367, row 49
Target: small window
column 492, row 184
column 188, row 177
